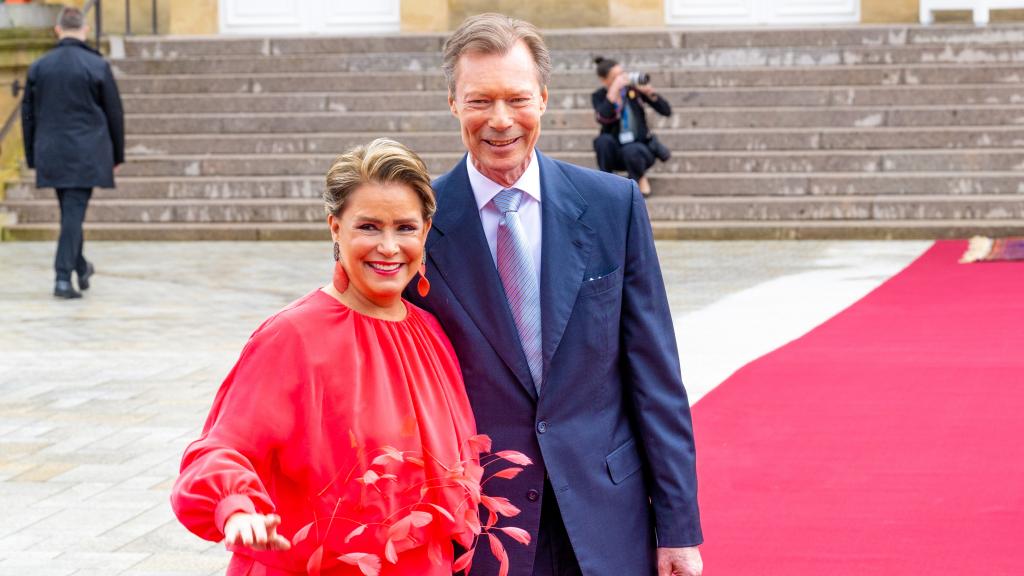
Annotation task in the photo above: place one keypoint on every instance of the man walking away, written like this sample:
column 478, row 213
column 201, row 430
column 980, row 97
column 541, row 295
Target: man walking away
column 74, row 136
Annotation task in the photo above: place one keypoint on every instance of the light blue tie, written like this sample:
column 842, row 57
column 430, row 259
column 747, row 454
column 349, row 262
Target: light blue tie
column 519, row 277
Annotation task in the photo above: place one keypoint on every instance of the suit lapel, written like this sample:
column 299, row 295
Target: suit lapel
column 460, row 253
column 566, row 245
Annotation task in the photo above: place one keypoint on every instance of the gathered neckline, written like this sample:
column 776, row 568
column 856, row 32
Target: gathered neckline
column 408, row 309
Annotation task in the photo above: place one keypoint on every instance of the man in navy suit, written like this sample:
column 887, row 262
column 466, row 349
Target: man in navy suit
column 73, row 127
column 545, row 277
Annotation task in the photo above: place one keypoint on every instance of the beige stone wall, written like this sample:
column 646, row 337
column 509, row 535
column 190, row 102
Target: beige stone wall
column 632, row 13
column 424, row 15
column 192, row 17
column 888, row 11
column 543, row 13
column 185, row 17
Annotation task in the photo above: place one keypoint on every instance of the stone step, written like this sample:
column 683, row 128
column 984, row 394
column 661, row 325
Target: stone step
column 838, row 208
column 966, row 160
column 663, row 230
column 757, row 208
column 590, row 39
column 585, row 79
column 954, row 184
column 678, row 140
column 385, row 123
column 679, row 98
column 659, row 59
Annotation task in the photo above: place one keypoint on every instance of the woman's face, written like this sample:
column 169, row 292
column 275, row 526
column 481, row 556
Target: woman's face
column 614, row 73
column 380, row 235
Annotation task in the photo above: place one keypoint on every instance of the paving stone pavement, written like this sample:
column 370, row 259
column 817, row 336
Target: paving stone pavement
column 98, row 397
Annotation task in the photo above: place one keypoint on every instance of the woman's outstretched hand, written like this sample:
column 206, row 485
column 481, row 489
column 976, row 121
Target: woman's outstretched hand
column 256, row 531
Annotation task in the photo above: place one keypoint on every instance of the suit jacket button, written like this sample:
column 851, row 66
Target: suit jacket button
column 532, row 495
column 542, row 427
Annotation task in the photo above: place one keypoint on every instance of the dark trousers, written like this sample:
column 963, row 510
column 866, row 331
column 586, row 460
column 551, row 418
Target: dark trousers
column 635, row 158
column 555, row 556
column 73, row 203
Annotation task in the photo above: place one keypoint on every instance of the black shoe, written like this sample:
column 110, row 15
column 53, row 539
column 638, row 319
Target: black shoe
column 83, row 279
column 64, row 289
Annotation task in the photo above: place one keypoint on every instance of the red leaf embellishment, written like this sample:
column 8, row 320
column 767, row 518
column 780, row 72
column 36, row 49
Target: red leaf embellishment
column 443, row 512
column 390, row 454
column 514, row 457
column 369, row 479
column 500, row 505
column 352, row 438
column 359, row 530
column 472, row 518
column 479, row 443
column 400, row 530
column 472, row 488
column 464, row 562
column 390, row 553
column 517, row 534
column 414, row 460
column 492, row 518
column 434, row 552
column 314, row 562
column 369, row 564
column 302, row 534
column 507, row 473
column 499, row 552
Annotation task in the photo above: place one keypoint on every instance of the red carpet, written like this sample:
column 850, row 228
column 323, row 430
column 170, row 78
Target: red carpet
column 889, row 440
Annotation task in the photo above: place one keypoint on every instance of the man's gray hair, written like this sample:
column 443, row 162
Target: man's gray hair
column 494, row 34
column 71, row 19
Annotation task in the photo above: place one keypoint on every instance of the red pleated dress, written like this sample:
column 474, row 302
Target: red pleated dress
column 350, row 428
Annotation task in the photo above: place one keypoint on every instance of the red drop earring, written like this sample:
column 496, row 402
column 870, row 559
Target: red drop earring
column 340, row 280
column 423, row 286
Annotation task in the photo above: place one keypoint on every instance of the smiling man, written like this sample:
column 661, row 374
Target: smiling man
column 545, row 277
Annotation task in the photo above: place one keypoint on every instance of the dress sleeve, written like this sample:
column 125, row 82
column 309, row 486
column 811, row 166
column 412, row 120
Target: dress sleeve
column 253, row 415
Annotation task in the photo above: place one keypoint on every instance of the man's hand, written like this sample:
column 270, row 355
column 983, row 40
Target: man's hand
column 680, row 562
column 255, row 531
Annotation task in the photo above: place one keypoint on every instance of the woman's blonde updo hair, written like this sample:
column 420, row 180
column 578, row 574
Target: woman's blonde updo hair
column 382, row 161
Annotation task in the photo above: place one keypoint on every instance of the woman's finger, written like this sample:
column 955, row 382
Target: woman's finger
column 259, row 532
column 231, row 533
column 273, row 521
column 245, row 531
column 278, row 542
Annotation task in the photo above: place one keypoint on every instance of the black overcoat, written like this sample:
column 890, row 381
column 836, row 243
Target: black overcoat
column 72, row 119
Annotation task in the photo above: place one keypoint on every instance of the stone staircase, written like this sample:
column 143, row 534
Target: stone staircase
column 864, row 132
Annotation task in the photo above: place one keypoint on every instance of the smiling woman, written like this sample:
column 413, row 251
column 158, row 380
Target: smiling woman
column 343, row 440
column 379, row 204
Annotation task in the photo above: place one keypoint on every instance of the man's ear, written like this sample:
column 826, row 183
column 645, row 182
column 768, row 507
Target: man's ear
column 543, row 99
column 451, row 105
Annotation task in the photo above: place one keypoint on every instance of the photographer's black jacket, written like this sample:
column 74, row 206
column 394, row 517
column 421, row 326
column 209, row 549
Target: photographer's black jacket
column 609, row 118
column 72, row 119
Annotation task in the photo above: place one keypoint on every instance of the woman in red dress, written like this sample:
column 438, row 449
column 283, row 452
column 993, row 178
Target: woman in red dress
column 342, row 442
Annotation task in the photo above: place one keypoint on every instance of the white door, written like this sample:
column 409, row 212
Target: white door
column 748, row 12
column 309, row 16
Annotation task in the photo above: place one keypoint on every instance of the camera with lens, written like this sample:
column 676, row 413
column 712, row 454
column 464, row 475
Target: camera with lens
column 639, row 78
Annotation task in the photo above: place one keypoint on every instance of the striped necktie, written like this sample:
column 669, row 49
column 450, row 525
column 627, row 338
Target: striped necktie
column 519, row 277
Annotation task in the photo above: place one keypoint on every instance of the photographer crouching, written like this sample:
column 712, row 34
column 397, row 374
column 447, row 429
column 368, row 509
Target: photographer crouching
column 625, row 143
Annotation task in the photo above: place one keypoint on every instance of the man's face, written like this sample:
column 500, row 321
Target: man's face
column 499, row 102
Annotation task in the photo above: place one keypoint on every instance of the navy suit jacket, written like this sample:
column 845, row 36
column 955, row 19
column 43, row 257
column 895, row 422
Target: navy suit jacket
column 611, row 427
column 71, row 118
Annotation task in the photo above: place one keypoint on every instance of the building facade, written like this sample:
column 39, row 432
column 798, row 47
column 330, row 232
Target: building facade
column 290, row 17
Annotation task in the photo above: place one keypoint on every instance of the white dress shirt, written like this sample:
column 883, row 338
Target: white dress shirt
column 485, row 189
